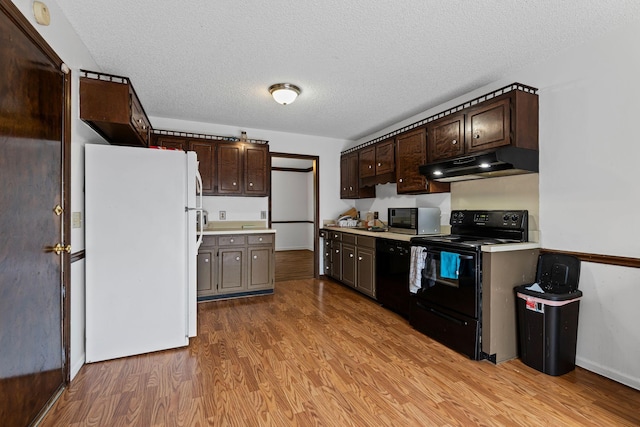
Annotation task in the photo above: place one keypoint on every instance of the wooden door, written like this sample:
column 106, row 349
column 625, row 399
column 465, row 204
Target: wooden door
column 256, row 179
column 231, row 270
column 367, row 162
column 385, row 157
column 260, row 267
column 354, row 178
column 349, row 265
column 204, row 151
column 411, row 152
column 366, row 267
column 488, row 126
column 446, row 138
column 229, row 168
column 33, row 142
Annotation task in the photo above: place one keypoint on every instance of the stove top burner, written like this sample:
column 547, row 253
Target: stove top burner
column 472, row 229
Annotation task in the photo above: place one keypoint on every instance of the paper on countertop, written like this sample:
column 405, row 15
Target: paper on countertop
column 535, row 287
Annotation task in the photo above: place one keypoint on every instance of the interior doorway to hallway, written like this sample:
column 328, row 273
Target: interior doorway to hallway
column 294, row 213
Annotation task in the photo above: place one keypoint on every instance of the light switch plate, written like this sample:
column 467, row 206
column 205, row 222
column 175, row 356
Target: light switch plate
column 76, row 219
column 223, row 215
column 263, row 214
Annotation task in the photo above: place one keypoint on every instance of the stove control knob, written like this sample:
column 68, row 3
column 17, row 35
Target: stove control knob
column 455, row 215
column 514, row 217
column 506, row 217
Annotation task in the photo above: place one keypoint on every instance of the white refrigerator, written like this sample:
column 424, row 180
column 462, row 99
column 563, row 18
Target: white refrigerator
column 141, row 247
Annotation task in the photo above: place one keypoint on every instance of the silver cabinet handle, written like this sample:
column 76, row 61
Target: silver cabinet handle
column 255, row 257
column 350, row 255
column 251, row 184
column 237, row 258
column 476, row 136
column 234, row 184
column 370, row 166
column 359, row 258
column 260, row 239
column 231, row 240
column 400, row 180
column 337, row 251
column 350, row 188
column 379, row 164
column 206, row 260
column 454, row 142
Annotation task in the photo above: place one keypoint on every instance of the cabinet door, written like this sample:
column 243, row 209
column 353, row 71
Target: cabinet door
column 488, row 126
column 344, row 177
column 260, row 267
column 366, row 271
column 367, row 165
column 229, row 168
column 326, row 253
column 204, row 150
column 231, row 270
column 336, row 260
column 354, row 179
column 206, row 272
column 256, row 164
column 411, row 152
column 349, row 265
column 171, row 142
column 446, row 138
column 385, row 157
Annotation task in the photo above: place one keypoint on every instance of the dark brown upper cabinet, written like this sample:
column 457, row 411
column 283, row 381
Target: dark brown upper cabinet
column 226, row 168
column 377, row 163
column 411, row 152
column 109, row 105
column 350, row 178
column 256, row 169
column 508, row 119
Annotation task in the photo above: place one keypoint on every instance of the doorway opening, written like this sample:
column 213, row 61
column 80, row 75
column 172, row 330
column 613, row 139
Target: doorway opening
column 294, row 213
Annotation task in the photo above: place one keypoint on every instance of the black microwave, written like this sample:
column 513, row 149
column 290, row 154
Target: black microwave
column 414, row 220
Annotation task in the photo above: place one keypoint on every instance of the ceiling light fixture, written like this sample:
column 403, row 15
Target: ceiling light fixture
column 284, row 93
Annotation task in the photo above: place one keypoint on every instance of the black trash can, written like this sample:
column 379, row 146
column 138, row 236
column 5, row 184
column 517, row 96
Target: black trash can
column 548, row 321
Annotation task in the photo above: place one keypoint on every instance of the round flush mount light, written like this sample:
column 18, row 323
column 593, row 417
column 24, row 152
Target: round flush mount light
column 284, row 93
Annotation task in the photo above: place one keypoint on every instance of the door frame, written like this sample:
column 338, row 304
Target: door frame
column 11, row 10
column 316, row 197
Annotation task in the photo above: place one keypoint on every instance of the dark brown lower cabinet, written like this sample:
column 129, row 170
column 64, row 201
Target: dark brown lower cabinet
column 350, row 259
column 235, row 265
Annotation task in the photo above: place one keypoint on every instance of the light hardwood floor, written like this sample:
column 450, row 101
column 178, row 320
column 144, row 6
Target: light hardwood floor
column 293, row 265
column 318, row 354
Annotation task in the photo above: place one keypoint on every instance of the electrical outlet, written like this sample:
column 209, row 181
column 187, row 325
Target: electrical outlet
column 263, row 214
column 223, row 215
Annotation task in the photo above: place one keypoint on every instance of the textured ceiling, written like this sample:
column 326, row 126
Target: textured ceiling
column 362, row 65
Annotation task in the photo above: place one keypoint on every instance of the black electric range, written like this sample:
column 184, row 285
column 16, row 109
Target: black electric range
column 446, row 295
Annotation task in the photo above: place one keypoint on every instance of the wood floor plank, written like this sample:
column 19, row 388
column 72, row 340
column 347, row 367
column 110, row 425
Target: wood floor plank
column 318, row 354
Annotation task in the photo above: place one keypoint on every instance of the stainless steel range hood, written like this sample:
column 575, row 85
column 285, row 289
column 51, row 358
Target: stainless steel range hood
column 500, row 162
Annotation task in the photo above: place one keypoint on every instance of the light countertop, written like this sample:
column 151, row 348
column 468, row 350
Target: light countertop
column 504, row 247
column 218, row 228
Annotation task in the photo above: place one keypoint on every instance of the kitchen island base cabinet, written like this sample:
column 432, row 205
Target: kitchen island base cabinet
column 238, row 265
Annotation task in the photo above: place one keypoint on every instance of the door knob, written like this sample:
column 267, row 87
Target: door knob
column 58, row 249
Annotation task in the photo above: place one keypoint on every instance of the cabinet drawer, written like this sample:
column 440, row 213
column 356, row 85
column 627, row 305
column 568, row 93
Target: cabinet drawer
column 208, row 240
column 367, row 242
column 335, row 235
column 260, row 239
column 349, row 239
column 231, row 240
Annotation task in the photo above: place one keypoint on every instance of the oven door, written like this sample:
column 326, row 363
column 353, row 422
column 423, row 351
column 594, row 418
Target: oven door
column 461, row 294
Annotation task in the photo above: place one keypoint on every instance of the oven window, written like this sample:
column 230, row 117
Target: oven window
column 461, row 294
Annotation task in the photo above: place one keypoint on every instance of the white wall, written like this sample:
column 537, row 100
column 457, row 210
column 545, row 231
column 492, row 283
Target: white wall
column 292, row 200
column 588, row 196
column 66, row 43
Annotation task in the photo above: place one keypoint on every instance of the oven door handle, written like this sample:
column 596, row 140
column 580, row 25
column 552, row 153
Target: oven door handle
column 465, row 257
column 440, row 314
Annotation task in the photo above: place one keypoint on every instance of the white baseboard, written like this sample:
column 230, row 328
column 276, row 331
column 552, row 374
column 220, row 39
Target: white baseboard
column 608, row 372
column 75, row 368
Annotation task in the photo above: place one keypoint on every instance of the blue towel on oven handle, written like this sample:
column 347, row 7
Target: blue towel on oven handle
column 449, row 265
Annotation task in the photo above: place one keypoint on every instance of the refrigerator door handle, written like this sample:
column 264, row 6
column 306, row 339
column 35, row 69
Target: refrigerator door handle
column 199, row 210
